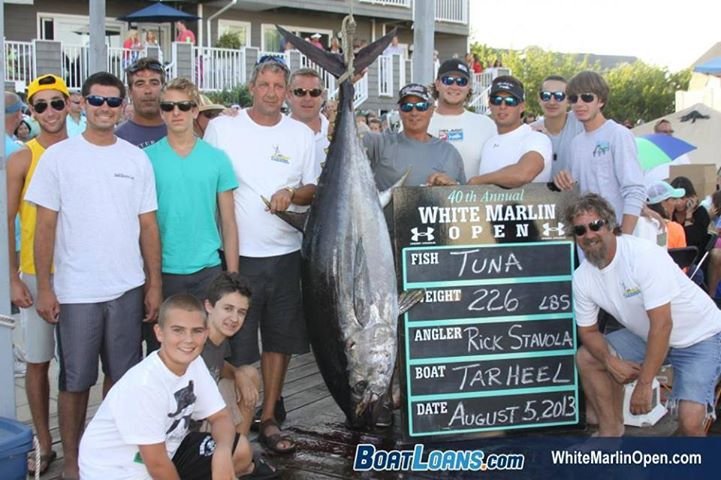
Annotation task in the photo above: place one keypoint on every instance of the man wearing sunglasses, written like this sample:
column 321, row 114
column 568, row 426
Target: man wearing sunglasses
column 516, row 155
column 146, row 78
column 193, row 180
column 96, row 202
column 604, row 158
column 465, row 130
column 305, row 98
column 48, row 100
column 273, row 156
column 558, row 123
column 667, row 319
column 76, row 116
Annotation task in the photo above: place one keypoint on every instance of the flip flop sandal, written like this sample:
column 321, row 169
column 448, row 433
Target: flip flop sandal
column 45, row 461
column 280, row 415
column 271, row 442
column 262, row 471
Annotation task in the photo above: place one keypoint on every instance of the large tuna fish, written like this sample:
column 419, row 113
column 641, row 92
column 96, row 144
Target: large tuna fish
column 349, row 285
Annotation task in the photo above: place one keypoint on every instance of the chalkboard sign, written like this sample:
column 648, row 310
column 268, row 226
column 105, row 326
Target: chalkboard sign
column 492, row 345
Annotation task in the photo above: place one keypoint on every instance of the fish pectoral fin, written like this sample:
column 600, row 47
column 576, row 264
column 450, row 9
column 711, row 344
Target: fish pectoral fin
column 407, row 299
column 385, row 195
column 294, row 219
column 361, row 285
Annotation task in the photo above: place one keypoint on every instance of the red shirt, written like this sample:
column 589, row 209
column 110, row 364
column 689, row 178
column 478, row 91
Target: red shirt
column 186, row 37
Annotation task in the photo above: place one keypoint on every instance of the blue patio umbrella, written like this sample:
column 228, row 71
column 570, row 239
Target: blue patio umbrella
column 656, row 149
column 712, row 66
column 158, row 13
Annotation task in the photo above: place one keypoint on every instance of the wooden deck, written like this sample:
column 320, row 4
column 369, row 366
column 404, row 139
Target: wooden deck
column 325, row 446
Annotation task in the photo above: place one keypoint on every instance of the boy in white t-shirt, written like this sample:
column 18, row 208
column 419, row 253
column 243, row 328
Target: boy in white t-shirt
column 143, row 428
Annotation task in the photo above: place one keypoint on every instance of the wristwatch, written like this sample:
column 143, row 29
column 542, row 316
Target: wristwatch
column 291, row 190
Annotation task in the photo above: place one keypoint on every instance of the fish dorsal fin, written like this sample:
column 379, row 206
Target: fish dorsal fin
column 294, row 219
column 361, row 285
column 407, row 299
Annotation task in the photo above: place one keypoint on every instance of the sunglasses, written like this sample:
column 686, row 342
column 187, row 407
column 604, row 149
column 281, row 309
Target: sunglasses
column 449, row 80
column 509, row 101
column 183, row 106
column 546, row 96
column 58, row 105
column 585, row 98
column 420, row 106
column 145, row 64
column 302, row 92
column 97, row 101
column 594, row 226
column 280, row 61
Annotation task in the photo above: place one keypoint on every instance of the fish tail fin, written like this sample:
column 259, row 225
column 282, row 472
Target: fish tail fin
column 334, row 63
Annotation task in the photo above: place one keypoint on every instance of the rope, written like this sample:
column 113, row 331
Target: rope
column 348, row 29
column 36, row 444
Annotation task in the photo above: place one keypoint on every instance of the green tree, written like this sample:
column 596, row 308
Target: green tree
column 229, row 40
column 238, row 95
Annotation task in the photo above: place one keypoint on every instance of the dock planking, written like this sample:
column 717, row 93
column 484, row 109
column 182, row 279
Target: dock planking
column 326, row 447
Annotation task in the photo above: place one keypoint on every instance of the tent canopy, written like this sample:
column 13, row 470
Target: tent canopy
column 696, row 130
column 157, row 13
column 712, row 66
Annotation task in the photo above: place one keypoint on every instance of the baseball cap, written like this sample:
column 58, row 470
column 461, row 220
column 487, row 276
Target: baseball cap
column 47, row 82
column 315, row 35
column 659, row 191
column 456, row 66
column 415, row 90
column 508, row 84
column 206, row 104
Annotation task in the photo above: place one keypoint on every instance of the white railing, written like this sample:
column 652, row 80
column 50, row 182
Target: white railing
column 75, row 65
column 385, row 75
column 217, row 69
column 120, row 58
column 390, row 3
column 329, row 81
column 452, row 11
column 19, row 62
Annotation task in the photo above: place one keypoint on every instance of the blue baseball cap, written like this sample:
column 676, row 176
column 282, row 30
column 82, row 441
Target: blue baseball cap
column 659, row 191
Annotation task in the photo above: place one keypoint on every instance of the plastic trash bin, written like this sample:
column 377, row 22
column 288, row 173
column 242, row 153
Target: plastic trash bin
column 16, row 440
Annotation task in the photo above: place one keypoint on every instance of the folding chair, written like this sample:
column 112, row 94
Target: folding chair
column 684, row 256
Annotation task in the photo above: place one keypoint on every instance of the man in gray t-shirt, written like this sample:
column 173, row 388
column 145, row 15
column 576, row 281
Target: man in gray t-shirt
column 146, row 78
column 558, row 123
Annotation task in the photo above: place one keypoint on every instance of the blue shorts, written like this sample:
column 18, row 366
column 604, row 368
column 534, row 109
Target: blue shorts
column 696, row 369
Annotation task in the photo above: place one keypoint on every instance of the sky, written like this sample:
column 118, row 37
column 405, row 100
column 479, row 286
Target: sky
column 668, row 33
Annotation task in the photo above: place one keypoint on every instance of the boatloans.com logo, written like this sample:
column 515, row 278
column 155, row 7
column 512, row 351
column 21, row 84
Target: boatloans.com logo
column 368, row 458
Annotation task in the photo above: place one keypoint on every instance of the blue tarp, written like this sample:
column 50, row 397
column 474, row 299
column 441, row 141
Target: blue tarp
column 713, row 66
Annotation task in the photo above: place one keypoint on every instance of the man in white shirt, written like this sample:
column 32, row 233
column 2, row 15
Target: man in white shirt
column 305, row 98
column 96, row 203
column 465, row 130
column 273, row 157
column 667, row 319
column 517, row 155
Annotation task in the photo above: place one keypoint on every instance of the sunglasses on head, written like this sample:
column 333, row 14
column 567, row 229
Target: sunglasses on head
column 594, row 226
column 183, row 106
column 509, row 101
column 585, row 98
column 449, row 80
column 546, row 96
column 97, row 101
column 145, row 64
column 302, row 92
column 420, row 106
column 57, row 105
column 280, row 61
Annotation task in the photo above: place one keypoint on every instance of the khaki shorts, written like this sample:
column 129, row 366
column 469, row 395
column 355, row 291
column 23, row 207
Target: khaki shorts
column 230, row 395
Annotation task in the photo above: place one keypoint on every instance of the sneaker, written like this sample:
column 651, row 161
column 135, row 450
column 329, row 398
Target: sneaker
column 280, row 415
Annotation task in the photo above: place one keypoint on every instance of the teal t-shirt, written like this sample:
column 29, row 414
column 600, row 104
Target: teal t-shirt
column 188, row 189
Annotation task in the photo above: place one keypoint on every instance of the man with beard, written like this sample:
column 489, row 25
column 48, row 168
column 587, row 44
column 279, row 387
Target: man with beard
column 48, row 100
column 146, row 78
column 667, row 319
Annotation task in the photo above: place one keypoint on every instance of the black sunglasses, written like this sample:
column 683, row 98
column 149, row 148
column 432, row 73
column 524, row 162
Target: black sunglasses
column 302, row 92
column 408, row 106
column 594, row 226
column 57, row 104
column 449, row 80
column 145, row 64
column 509, row 101
column 546, row 96
column 280, row 61
column 97, row 101
column 585, row 97
column 183, row 106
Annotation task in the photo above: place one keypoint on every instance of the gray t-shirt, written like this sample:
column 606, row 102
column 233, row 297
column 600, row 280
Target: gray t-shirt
column 605, row 161
column 562, row 142
column 392, row 154
column 139, row 135
column 214, row 357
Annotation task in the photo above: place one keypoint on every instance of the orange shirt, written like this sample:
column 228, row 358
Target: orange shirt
column 676, row 235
